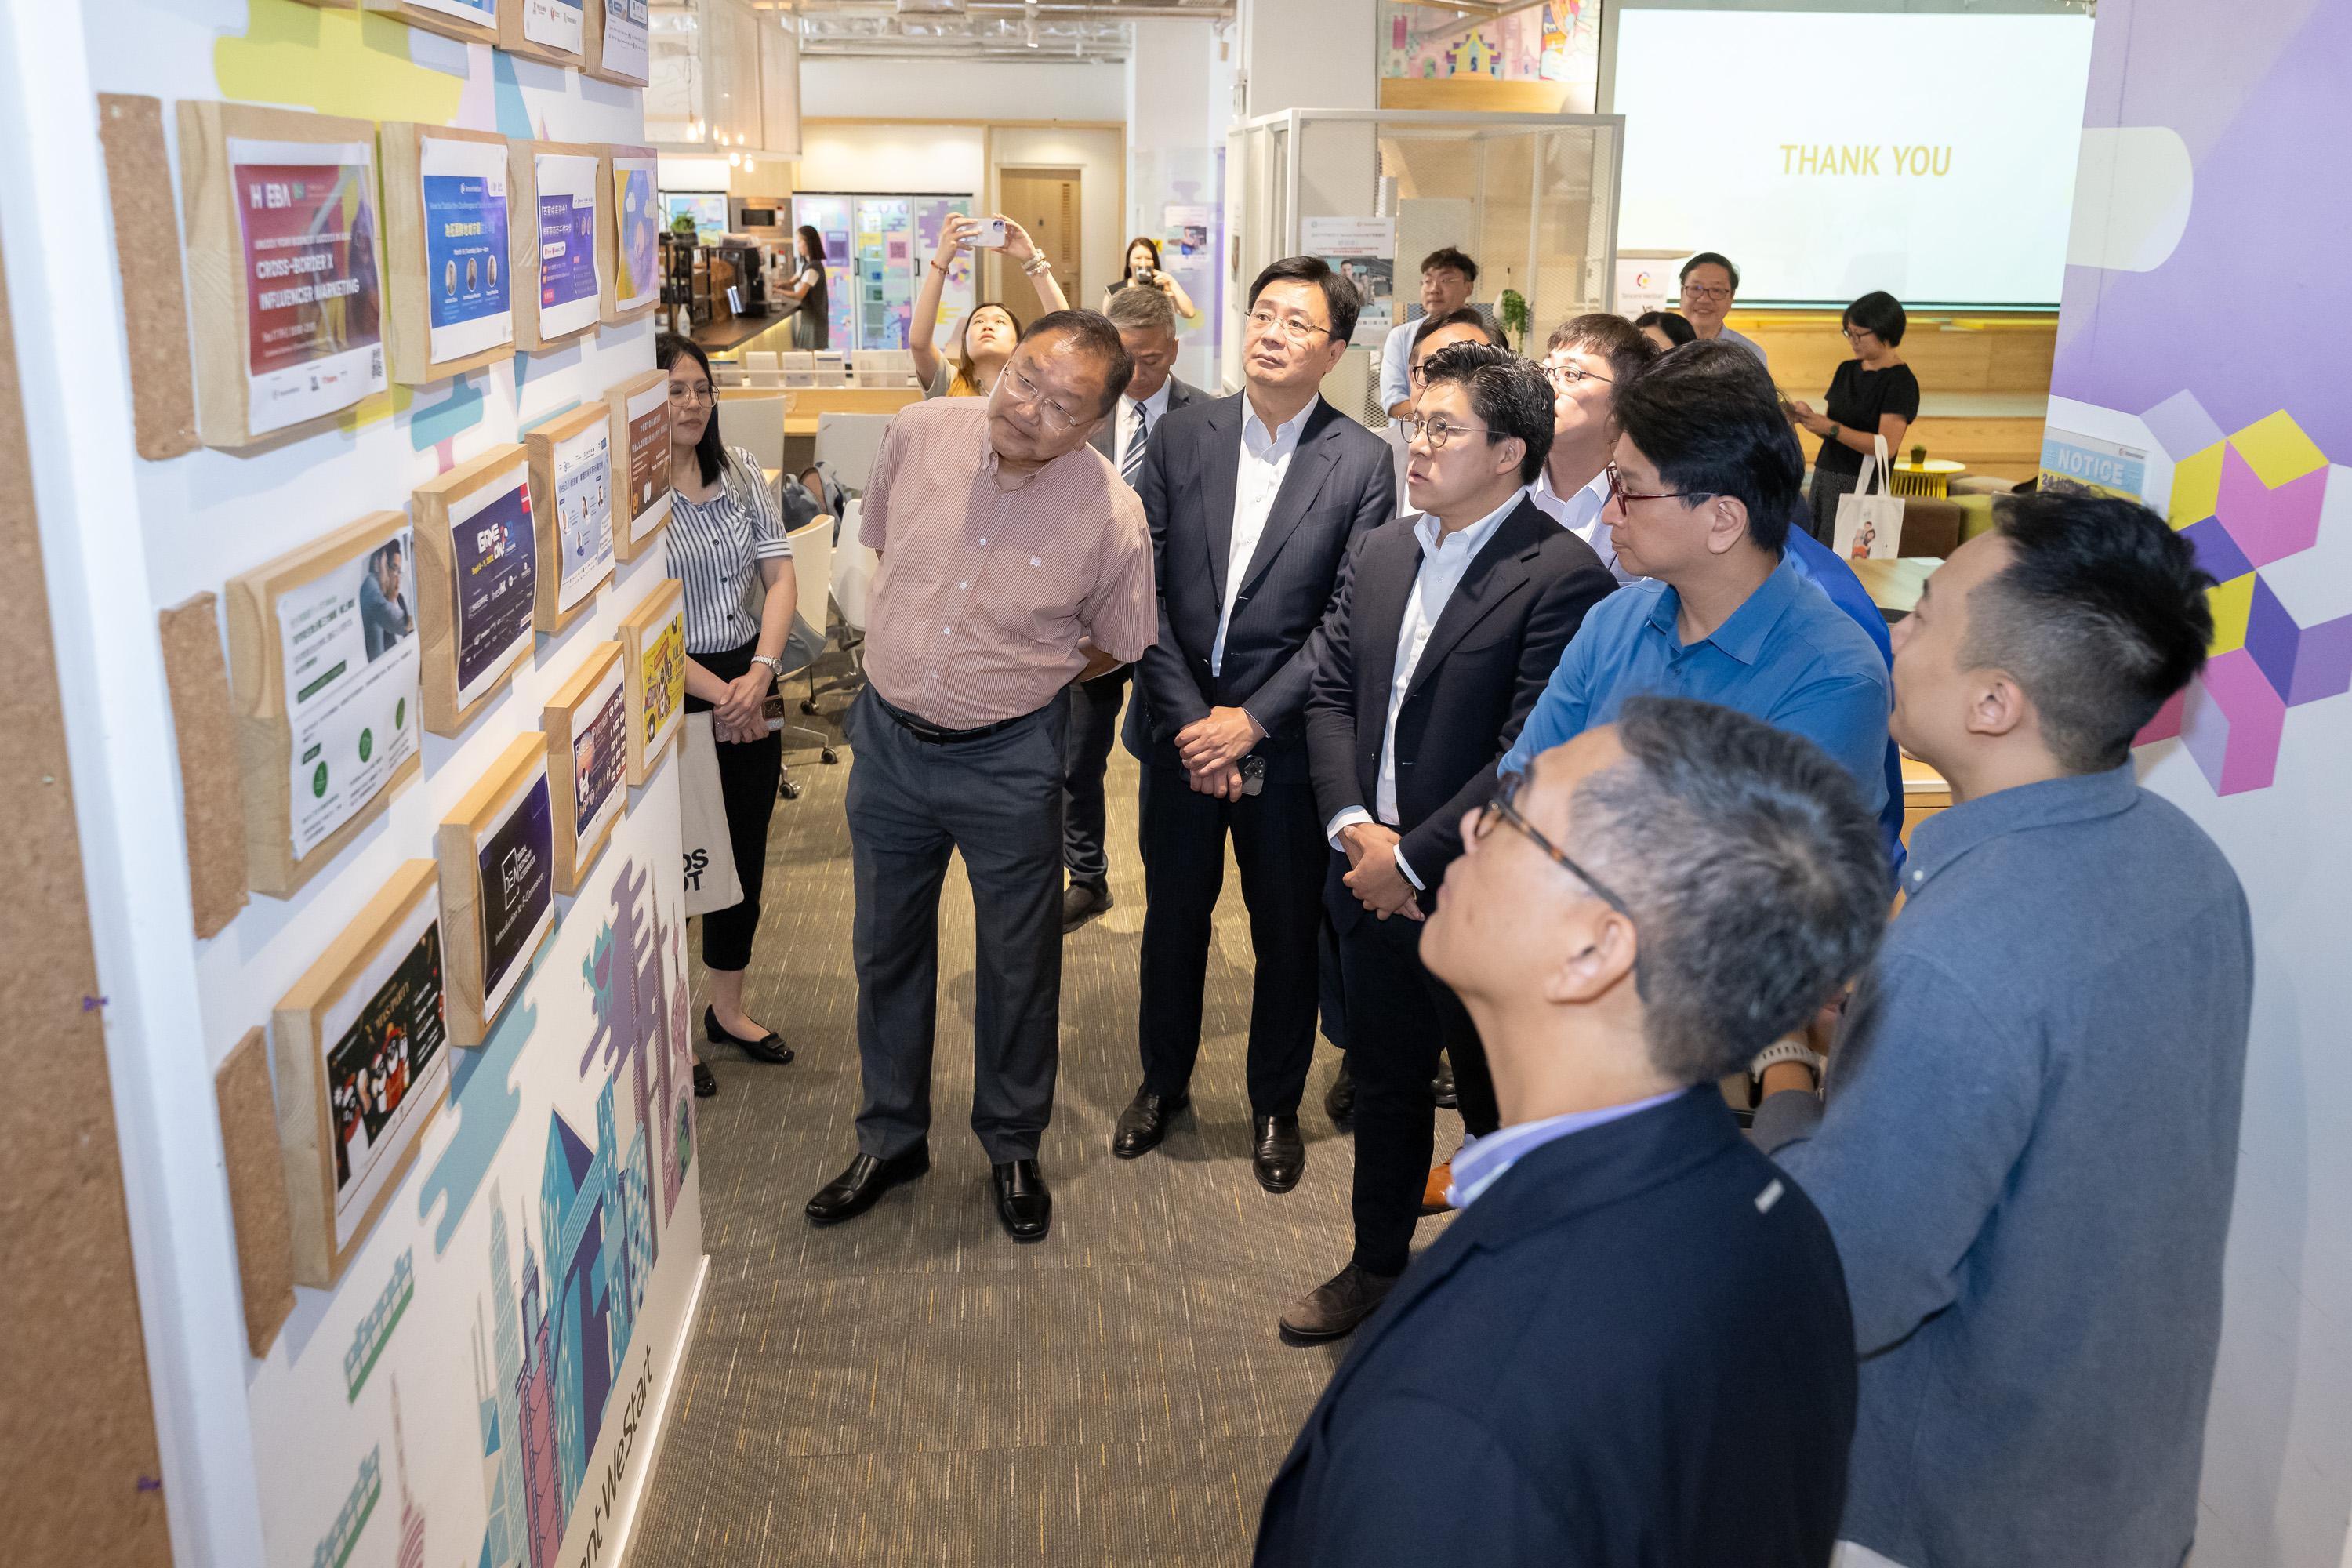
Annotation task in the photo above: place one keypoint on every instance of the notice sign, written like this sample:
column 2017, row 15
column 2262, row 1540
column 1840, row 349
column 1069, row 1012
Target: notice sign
column 554, row 23
column 583, row 514
column 383, row 1065
column 567, row 242
column 627, row 41
column 638, row 254
column 464, row 186
column 648, row 416
column 314, row 303
column 517, row 862
column 496, row 552
column 2085, row 465
column 348, row 644
column 600, row 756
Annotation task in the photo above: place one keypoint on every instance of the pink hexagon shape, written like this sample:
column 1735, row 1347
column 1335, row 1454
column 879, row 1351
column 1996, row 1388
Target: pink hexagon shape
column 2232, row 723
column 2269, row 524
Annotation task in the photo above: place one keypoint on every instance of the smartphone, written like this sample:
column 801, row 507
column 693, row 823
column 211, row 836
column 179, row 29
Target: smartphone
column 989, row 235
column 1145, row 274
column 1253, row 773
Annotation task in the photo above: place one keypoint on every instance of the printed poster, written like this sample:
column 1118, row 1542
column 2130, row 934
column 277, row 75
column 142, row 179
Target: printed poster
column 567, row 242
column 664, row 682
column 385, row 1070
column 2085, row 465
column 638, row 254
column 497, row 556
column 464, row 186
column 347, row 641
column 553, row 23
column 483, row 13
column 517, row 859
column 626, row 38
column 1361, row 250
column 648, row 414
column 314, row 299
column 600, row 758
column 583, row 514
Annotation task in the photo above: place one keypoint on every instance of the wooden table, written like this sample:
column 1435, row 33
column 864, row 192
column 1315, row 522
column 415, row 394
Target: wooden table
column 1932, row 478
column 1894, row 586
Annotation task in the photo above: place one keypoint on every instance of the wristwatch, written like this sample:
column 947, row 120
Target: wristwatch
column 775, row 667
column 1834, row 429
column 1786, row 1050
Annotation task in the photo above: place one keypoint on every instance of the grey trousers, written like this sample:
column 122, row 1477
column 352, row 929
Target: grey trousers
column 998, row 802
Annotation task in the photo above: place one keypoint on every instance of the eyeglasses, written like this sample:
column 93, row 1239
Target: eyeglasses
column 1502, row 808
column 1028, row 393
column 1855, row 334
column 1297, row 329
column 1694, row 291
column 1625, row 498
column 692, row 391
column 1439, row 432
column 1562, row 374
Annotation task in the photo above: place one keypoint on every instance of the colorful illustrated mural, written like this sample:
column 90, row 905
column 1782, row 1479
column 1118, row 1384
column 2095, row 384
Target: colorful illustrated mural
column 1559, row 40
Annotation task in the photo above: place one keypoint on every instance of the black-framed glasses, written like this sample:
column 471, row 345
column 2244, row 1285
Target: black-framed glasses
column 1503, row 808
column 1565, row 374
column 1439, row 432
column 1624, row 498
column 1700, row 291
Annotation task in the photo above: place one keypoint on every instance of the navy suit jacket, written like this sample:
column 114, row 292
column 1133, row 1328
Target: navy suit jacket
column 1340, row 483
column 1487, row 660
column 1632, row 1350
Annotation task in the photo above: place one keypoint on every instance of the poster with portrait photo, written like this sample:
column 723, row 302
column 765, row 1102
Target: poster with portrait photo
column 384, row 1062
column 465, row 199
column 348, row 646
column 1362, row 250
column 495, row 550
column 566, row 185
column 583, row 514
column 314, row 302
column 516, row 858
column 600, row 758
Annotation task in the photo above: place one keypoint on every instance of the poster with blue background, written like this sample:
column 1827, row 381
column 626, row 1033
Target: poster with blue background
column 567, row 242
column 465, row 187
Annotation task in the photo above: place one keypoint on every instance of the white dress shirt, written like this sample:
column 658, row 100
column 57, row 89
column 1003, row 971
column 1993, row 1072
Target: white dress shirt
column 1581, row 515
column 1155, row 405
column 1444, row 557
column 1396, row 362
column 1265, row 458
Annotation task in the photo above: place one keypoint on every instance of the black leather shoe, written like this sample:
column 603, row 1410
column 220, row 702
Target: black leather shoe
column 1081, row 903
column 1144, row 1122
column 1442, row 1087
column 856, row 1189
column 1333, row 1308
column 768, row 1047
column 1277, row 1153
column 705, row 1083
column 1021, row 1201
column 1339, row 1100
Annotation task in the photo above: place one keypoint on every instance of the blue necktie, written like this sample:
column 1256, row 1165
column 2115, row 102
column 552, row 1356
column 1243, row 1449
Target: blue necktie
column 1131, row 466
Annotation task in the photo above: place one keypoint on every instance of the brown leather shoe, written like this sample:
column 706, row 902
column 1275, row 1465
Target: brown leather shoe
column 1333, row 1308
column 1432, row 1197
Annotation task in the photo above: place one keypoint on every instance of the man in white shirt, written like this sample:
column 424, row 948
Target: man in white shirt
column 1710, row 283
column 1449, row 624
column 1447, row 276
column 1588, row 359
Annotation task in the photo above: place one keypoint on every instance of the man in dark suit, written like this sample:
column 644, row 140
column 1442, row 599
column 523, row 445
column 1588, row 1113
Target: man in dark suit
column 1147, row 325
column 1252, row 500
column 1449, row 625
column 1631, row 1345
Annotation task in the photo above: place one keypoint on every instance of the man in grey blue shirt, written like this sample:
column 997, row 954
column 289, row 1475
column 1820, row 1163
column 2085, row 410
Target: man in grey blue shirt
column 2031, row 1132
column 1709, row 284
column 1705, row 482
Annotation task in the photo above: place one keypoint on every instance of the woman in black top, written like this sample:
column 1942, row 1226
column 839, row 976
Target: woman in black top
column 1872, row 394
column 812, row 322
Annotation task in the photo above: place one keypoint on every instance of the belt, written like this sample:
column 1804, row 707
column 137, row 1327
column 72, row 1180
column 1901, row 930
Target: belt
column 931, row 735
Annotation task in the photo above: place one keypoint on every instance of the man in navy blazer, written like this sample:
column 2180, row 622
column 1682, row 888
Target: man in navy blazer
column 1632, row 1344
column 1253, row 501
column 1448, row 626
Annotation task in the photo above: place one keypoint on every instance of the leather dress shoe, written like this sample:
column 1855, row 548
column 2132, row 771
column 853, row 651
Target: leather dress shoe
column 1339, row 1100
column 1442, row 1089
column 1277, row 1153
column 1144, row 1122
column 1333, row 1308
column 1022, row 1201
column 1432, row 1192
column 859, row 1188
column 1082, row 902
column 768, row 1047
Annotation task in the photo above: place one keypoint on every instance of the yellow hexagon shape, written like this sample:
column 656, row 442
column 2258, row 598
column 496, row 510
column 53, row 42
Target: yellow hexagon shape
column 2230, row 603
column 335, row 61
column 2277, row 450
column 2195, row 486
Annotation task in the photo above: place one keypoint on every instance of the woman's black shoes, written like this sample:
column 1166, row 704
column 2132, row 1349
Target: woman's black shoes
column 768, row 1047
column 705, row 1083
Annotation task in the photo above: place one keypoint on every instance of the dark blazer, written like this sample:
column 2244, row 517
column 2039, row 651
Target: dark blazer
column 1105, row 440
column 1491, row 655
column 1340, row 484
column 1628, row 1352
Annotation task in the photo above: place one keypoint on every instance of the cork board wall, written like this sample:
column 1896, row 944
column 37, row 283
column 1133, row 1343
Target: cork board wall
column 154, row 297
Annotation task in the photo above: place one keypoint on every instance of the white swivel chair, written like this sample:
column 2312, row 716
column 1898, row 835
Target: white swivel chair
column 760, row 359
column 799, row 366
column 812, row 574
column 854, row 566
column 756, row 422
column 830, row 371
column 846, row 445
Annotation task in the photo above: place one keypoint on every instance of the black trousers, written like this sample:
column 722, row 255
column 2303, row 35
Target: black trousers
column 1094, row 727
column 1279, row 845
column 997, row 800
column 1822, row 502
column 1399, row 1017
column 748, row 772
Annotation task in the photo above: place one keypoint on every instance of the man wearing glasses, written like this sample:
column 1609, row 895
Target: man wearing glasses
column 1703, row 486
column 1630, row 1346
column 1012, row 555
column 1588, row 359
column 1710, row 283
column 1252, row 500
column 1447, row 623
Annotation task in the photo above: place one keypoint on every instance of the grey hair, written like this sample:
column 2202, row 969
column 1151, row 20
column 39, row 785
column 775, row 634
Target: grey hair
column 1758, row 882
column 1144, row 309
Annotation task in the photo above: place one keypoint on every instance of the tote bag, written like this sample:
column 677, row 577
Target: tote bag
column 1870, row 527
column 710, row 879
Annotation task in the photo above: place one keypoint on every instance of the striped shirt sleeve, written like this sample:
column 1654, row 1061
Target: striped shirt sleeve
column 766, row 518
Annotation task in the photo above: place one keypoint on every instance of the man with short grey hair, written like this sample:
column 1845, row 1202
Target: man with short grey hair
column 1633, row 1346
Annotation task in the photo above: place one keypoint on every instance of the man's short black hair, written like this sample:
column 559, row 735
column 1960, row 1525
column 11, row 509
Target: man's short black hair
column 1447, row 255
column 1467, row 316
column 1756, row 878
column 1709, row 416
column 1878, row 313
column 1709, row 258
column 1613, row 337
column 2100, row 616
column 1092, row 334
column 1509, row 396
column 1339, row 296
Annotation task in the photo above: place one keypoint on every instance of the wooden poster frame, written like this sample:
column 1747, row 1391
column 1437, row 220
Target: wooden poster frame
column 641, row 632
column 522, row 237
column 542, row 444
column 306, row 1129
column 515, row 41
column 567, row 715
column 592, row 49
column 608, row 234
column 433, row 21
column 431, row 503
column 408, row 320
column 265, row 736
column 627, row 542
column 457, row 847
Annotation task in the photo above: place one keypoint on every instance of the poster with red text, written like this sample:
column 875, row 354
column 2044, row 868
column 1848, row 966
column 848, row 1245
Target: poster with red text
column 314, row 297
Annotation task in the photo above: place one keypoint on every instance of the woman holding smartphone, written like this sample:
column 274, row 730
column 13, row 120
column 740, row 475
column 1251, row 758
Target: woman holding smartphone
column 1144, row 271
column 1873, row 396
column 989, row 331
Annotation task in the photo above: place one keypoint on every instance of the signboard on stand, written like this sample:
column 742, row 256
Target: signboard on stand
column 1362, row 250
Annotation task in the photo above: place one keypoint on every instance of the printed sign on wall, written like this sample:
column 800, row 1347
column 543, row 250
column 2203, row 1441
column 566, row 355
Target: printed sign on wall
column 567, row 243
column 314, row 303
column 348, row 644
column 464, row 186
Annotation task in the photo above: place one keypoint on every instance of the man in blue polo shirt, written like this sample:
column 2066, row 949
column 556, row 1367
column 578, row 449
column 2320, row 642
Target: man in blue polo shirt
column 1706, row 480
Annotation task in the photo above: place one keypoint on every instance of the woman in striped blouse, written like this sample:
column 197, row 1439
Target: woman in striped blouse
column 724, row 526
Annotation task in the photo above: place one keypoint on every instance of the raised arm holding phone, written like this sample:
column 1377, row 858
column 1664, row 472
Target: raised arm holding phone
column 989, row 329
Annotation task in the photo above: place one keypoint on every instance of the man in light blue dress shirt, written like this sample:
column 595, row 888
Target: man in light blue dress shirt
column 1447, row 276
column 1710, row 283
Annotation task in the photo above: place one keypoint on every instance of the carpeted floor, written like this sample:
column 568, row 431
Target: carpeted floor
column 913, row 1387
